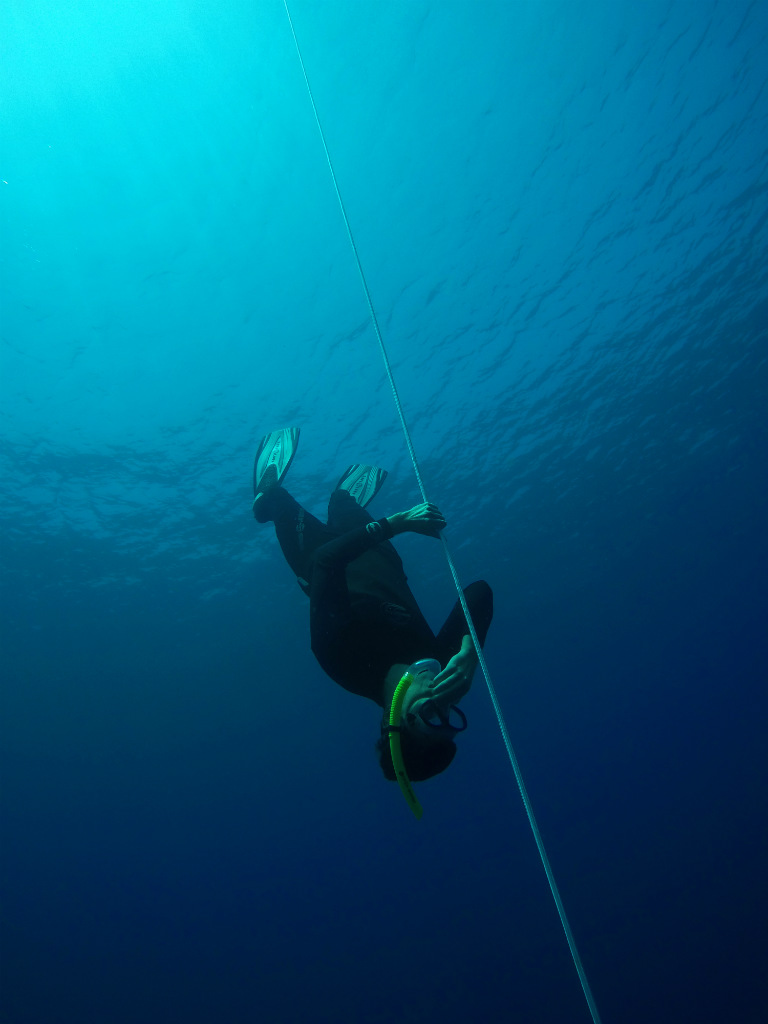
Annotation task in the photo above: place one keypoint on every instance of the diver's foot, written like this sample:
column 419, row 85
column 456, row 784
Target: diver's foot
column 268, row 483
column 273, row 457
column 362, row 482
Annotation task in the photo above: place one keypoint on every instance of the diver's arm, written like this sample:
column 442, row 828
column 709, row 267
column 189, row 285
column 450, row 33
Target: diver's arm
column 425, row 519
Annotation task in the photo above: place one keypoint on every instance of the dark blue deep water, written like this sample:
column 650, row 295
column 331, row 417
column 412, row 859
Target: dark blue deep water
column 562, row 211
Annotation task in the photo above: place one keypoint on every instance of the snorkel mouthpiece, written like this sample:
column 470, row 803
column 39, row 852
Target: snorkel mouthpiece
column 430, row 667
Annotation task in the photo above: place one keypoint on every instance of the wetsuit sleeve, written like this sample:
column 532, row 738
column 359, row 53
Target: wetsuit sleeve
column 349, row 546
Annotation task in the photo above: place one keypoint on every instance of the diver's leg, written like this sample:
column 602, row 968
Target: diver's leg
column 344, row 513
column 298, row 532
column 329, row 612
column 479, row 598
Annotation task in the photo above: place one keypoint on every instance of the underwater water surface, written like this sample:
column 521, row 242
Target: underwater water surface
column 561, row 209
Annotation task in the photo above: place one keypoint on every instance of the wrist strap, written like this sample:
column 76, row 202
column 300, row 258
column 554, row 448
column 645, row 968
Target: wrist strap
column 382, row 529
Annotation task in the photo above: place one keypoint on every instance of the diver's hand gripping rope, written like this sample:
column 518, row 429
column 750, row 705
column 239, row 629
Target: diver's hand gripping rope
column 481, row 659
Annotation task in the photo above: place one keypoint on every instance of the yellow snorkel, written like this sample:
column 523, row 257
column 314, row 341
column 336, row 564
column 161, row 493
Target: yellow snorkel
column 420, row 720
column 395, row 747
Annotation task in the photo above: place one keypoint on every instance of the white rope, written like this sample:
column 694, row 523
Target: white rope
column 481, row 658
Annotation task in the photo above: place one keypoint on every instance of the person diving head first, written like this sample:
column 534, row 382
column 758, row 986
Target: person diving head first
column 365, row 623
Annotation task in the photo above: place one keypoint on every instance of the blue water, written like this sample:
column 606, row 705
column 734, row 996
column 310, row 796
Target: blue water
column 562, row 213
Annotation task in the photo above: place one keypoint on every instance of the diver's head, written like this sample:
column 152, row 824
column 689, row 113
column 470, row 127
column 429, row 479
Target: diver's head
column 423, row 757
column 419, row 730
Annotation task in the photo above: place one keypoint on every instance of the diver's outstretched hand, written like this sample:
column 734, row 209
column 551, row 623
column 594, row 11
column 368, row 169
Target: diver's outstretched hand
column 426, row 519
column 446, row 689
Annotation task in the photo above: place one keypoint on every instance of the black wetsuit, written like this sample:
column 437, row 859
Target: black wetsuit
column 363, row 616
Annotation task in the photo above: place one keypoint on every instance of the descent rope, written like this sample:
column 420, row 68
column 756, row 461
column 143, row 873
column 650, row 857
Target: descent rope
column 481, row 659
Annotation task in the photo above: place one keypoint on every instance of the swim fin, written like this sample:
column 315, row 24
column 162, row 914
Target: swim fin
column 362, row 482
column 273, row 457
